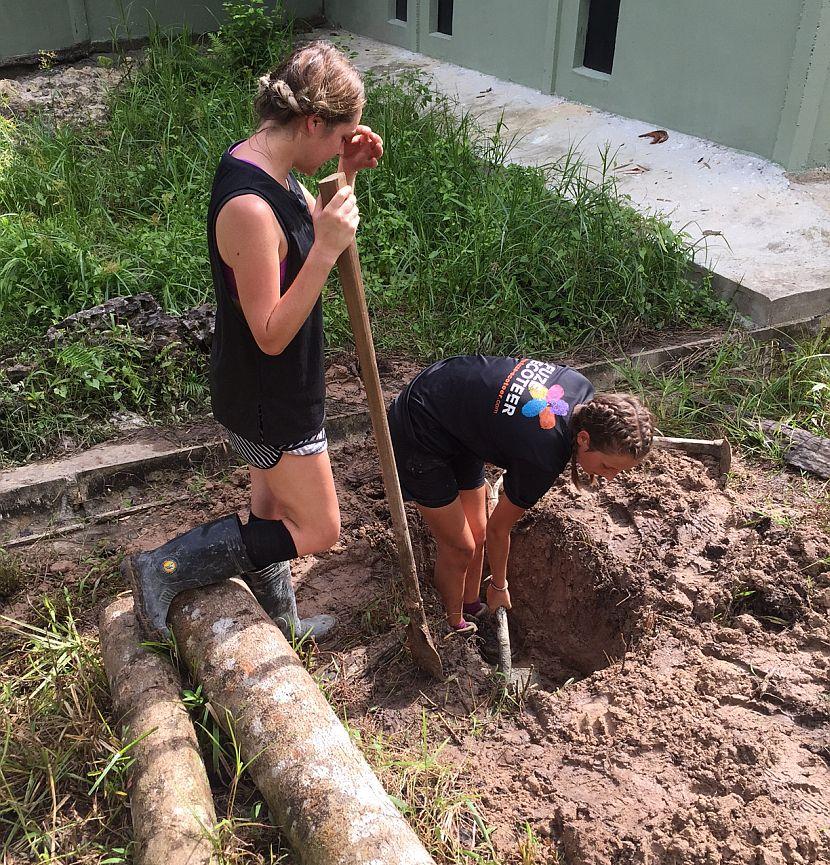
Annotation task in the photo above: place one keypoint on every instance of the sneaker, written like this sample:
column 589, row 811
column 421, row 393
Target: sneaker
column 462, row 629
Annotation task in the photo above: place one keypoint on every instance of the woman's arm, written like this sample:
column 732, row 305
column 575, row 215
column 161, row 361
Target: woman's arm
column 251, row 241
column 504, row 517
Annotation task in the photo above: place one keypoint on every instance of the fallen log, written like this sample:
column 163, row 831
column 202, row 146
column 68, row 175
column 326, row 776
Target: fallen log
column 809, row 453
column 326, row 799
column 170, row 799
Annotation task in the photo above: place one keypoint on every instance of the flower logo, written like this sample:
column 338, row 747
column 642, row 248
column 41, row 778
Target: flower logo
column 546, row 404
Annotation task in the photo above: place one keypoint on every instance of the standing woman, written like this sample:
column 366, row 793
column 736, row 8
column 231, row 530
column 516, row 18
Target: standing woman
column 272, row 247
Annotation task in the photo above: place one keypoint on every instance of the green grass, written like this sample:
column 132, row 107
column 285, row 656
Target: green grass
column 55, row 743
column 465, row 252
column 461, row 251
column 71, row 392
column 729, row 388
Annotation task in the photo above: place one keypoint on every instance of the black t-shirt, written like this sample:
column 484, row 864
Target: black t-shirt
column 510, row 412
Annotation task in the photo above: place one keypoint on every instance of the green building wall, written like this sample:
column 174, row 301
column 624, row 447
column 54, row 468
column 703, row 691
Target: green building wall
column 376, row 19
column 714, row 68
column 505, row 39
column 40, row 25
column 751, row 74
column 69, row 27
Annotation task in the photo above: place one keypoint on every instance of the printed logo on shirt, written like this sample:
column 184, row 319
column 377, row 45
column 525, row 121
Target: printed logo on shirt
column 531, row 376
column 546, row 404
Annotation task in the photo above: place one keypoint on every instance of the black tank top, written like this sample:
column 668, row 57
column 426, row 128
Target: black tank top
column 274, row 400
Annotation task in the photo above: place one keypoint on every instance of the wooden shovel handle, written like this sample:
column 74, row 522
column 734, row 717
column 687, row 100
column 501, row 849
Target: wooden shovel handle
column 351, row 278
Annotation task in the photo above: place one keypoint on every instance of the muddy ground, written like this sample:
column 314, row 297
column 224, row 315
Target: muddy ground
column 678, row 633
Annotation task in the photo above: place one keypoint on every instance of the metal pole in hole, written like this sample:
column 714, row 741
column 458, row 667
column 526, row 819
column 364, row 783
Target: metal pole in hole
column 419, row 638
column 505, row 664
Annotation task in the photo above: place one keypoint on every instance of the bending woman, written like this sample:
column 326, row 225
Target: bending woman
column 529, row 417
column 272, row 247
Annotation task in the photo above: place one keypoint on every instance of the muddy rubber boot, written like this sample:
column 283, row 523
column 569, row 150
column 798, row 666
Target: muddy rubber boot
column 201, row 557
column 272, row 588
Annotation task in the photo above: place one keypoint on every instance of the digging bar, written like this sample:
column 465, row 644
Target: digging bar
column 505, row 664
column 419, row 638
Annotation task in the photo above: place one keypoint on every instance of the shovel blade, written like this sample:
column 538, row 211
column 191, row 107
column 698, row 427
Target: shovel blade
column 423, row 650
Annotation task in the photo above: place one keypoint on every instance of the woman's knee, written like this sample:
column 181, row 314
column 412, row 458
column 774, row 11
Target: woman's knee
column 459, row 550
column 479, row 534
column 319, row 535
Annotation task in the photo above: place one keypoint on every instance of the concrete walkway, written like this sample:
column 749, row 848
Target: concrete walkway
column 766, row 235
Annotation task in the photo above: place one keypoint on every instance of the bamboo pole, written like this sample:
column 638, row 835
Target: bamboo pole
column 328, row 802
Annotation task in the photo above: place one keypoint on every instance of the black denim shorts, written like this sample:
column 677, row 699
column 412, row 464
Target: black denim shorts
column 431, row 480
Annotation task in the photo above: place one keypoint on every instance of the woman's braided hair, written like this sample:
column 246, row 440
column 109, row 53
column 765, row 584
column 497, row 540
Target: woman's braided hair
column 316, row 80
column 617, row 423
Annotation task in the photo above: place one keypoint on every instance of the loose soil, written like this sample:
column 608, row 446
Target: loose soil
column 679, row 638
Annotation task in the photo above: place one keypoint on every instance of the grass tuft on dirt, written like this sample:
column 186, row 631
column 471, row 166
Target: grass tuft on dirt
column 729, row 388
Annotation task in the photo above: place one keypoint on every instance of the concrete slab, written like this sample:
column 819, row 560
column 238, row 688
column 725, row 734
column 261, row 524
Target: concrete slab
column 62, row 485
column 765, row 235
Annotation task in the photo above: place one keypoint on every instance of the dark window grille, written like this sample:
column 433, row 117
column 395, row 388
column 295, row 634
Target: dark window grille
column 445, row 17
column 400, row 9
column 601, row 35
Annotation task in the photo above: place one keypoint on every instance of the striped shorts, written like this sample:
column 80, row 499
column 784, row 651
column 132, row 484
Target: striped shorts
column 267, row 456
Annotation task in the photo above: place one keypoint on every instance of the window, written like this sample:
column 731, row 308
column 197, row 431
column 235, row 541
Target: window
column 601, row 35
column 444, row 23
column 400, row 9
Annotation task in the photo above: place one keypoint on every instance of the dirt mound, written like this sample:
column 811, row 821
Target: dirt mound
column 682, row 644
column 705, row 737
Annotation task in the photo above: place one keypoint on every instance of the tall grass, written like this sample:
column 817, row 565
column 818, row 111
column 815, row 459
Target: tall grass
column 729, row 388
column 55, row 743
column 466, row 252
column 462, row 251
column 71, row 392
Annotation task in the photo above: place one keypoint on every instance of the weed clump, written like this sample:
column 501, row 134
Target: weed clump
column 464, row 251
column 731, row 387
column 11, row 575
column 71, row 392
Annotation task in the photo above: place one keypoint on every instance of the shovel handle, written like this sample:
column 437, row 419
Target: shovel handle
column 351, row 278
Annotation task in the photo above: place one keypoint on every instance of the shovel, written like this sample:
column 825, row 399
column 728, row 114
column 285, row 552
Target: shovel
column 419, row 639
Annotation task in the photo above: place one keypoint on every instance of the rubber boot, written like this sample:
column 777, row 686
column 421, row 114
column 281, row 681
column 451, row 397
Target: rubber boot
column 205, row 555
column 273, row 589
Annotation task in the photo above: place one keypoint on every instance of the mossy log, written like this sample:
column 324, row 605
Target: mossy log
column 330, row 805
column 172, row 807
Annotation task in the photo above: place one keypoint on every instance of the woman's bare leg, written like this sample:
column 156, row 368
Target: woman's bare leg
column 474, row 503
column 455, row 550
column 300, row 491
